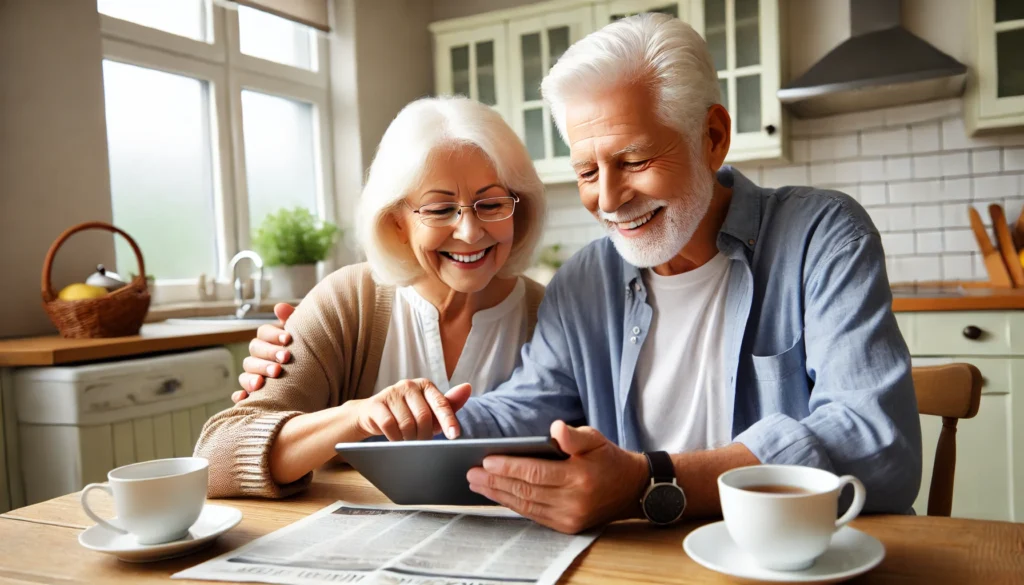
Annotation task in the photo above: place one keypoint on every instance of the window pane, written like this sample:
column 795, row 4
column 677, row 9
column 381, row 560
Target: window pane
column 714, row 31
column 485, row 73
column 185, row 18
column 671, row 10
column 723, row 85
column 748, row 103
column 275, row 39
column 280, row 154
column 1007, row 10
column 161, row 178
column 748, row 43
column 533, row 71
column 534, row 123
column 558, row 42
column 460, row 70
column 561, row 148
column 1009, row 62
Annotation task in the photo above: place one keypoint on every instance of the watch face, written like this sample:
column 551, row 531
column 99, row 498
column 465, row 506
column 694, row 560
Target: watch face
column 664, row 503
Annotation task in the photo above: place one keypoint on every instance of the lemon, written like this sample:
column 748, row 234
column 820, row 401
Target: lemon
column 79, row 291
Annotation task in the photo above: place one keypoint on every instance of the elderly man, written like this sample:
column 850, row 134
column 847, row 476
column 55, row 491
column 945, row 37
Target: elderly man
column 720, row 325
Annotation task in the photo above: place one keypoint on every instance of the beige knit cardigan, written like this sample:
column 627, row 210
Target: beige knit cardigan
column 338, row 333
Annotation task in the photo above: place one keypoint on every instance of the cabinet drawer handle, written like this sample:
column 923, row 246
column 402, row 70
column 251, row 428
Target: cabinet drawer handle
column 973, row 332
column 770, row 129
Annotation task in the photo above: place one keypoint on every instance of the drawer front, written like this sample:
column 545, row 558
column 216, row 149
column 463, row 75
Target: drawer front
column 968, row 333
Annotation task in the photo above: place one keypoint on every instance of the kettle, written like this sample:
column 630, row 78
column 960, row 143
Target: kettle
column 106, row 279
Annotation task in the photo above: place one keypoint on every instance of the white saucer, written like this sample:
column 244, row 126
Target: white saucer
column 852, row 553
column 213, row 521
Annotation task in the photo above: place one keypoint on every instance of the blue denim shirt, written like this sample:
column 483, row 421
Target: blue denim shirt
column 818, row 371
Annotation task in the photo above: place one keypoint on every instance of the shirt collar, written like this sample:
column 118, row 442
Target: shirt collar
column 742, row 222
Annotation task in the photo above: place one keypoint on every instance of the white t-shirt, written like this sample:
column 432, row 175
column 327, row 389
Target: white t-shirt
column 680, row 387
column 413, row 345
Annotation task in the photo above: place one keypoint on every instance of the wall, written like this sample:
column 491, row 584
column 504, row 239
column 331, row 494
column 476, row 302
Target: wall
column 53, row 155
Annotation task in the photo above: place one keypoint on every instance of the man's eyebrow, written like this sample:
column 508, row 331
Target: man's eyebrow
column 578, row 164
column 632, row 148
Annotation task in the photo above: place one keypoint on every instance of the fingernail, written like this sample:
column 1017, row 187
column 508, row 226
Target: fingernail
column 283, row 337
column 450, row 432
column 270, row 369
column 280, row 356
column 473, row 488
column 252, row 383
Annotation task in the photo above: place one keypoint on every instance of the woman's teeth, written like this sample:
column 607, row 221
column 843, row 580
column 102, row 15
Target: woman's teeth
column 467, row 259
column 632, row 225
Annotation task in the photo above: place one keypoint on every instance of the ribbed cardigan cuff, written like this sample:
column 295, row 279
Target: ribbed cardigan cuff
column 252, row 458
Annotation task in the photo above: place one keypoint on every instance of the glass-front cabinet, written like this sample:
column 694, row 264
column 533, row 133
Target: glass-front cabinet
column 743, row 38
column 535, row 44
column 995, row 95
column 500, row 58
column 472, row 63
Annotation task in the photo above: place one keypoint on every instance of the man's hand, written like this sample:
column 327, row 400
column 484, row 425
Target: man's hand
column 266, row 354
column 598, row 483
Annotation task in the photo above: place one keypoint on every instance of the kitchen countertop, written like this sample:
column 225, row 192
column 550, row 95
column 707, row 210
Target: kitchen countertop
column 967, row 296
column 154, row 337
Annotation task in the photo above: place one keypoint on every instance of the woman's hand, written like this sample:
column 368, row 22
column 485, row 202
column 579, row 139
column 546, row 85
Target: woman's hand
column 266, row 354
column 412, row 410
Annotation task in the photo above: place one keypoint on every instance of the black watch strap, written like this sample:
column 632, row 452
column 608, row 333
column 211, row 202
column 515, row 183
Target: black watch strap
column 660, row 466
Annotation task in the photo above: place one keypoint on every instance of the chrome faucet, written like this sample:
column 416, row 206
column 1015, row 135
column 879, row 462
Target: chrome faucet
column 244, row 305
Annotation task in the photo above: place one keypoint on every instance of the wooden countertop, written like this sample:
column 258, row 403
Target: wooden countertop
column 154, row 337
column 950, row 297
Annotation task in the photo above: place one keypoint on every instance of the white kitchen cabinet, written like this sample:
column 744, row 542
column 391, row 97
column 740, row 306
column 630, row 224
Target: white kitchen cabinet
column 989, row 481
column 535, row 44
column 5, row 491
column 995, row 90
column 500, row 57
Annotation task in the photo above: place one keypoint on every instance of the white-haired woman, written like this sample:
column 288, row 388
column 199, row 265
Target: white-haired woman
column 449, row 217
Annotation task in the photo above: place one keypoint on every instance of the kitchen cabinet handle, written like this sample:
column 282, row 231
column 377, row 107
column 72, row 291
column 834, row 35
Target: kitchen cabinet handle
column 169, row 386
column 770, row 129
column 972, row 332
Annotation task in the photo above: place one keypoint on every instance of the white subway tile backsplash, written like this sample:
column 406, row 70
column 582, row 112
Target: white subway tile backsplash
column 955, row 164
column 996, row 186
column 898, row 244
column 897, row 168
column 957, row 267
column 800, row 150
column 1012, row 207
column 954, row 215
column 956, row 189
column 918, row 268
column 980, row 272
column 901, row 219
column 986, row 161
column 791, row 175
column 928, row 242
column 959, row 240
column 915, row 192
column 925, row 137
column 823, row 174
column 1013, row 159
column 872, row 194
column 848, row 171
column 922, row 112
column 883, row 142
column 872, row 170
column 954, row 137
column 858, row 121
column 927, row 166
column 879, row 217
column 927, row 217
column 833, row 147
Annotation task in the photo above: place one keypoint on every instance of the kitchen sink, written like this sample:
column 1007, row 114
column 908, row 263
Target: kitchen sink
column 254, row 319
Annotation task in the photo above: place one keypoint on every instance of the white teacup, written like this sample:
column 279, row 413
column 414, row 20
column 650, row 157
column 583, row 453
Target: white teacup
column 156, row 501
column 788, row 527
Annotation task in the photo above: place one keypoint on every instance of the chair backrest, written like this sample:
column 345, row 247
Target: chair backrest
column 953, row 392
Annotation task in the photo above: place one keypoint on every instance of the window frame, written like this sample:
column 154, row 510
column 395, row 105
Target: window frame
column 220, row 63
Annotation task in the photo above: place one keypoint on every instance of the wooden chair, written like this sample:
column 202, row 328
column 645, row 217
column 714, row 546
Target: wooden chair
column 953, row 392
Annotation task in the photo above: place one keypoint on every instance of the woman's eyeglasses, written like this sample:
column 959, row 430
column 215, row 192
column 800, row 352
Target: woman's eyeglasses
column 446, row 214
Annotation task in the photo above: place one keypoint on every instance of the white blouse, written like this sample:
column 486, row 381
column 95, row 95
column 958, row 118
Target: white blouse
column 413, row 345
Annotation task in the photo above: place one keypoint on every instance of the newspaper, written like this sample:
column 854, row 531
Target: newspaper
column 349, row 543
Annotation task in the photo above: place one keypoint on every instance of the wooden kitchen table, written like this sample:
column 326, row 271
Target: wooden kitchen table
column 38, row 544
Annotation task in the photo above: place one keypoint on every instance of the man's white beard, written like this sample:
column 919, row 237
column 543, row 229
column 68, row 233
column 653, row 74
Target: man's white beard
column 666, row 238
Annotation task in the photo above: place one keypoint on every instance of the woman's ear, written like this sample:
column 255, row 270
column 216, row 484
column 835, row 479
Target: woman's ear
column 398, row 224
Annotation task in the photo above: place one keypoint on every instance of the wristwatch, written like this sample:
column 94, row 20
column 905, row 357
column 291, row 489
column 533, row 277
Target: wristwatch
column 664, row 501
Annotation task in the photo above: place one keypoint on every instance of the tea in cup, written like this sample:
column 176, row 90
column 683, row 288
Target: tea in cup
column 784, row 516
column 156, row 501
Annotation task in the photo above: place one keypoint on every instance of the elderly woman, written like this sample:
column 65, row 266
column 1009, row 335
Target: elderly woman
column 449, row 218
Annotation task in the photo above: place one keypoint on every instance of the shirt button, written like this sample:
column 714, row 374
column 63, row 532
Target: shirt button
column 632, row 339
column 636, row 330
column 636, row 287
column 751, row 242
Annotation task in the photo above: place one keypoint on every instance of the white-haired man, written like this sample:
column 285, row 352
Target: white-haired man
column 721, row 323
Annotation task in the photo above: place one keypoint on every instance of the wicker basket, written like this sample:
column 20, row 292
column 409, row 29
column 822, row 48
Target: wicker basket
column 115, row 314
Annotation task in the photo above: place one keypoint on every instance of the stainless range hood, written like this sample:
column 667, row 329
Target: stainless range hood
column 880, row 65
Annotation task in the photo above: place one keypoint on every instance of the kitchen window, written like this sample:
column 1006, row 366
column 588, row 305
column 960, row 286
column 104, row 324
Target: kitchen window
column 217, row 115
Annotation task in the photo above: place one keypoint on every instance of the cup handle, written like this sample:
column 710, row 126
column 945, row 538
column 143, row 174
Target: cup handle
column 859, row 494
column 93, row 515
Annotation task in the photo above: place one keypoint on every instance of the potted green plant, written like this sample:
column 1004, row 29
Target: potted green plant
column 548, row 261
column 291, row 243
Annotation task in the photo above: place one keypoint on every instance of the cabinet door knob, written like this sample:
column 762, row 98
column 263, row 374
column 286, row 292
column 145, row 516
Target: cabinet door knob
column 972, row 332
column 770, row 129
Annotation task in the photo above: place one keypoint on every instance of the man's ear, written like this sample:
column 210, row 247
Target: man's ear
column 718, row 137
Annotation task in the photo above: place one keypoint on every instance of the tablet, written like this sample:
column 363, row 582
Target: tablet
column 434, row 472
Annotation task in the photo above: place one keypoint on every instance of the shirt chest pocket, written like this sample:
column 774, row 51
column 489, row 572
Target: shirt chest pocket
column 779, row 367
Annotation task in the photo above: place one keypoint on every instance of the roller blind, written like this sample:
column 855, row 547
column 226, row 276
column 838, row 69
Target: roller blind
column 308, row 12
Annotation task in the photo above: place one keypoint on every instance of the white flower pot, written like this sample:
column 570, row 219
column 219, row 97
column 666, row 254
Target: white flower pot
column 292, row 282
